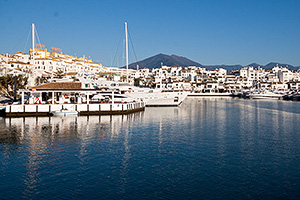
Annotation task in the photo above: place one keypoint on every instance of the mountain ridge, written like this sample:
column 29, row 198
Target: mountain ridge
column 160, row 59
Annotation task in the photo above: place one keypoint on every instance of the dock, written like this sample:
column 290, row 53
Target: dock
column 44, row 100
column 28, row 110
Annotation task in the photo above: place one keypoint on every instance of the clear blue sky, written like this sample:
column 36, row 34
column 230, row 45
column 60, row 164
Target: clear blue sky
column 206, row 31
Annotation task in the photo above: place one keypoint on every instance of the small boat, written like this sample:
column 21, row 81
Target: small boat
column 64, row 112
column 296, row 97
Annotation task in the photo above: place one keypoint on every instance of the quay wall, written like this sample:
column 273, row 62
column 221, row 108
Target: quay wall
column 83, row 109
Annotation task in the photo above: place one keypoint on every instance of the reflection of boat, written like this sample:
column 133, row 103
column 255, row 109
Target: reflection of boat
column 64, row 112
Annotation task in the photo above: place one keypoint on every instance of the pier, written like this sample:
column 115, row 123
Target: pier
column 55, row 97
column 83, row 109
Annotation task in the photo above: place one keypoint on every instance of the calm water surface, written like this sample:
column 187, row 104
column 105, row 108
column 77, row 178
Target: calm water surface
column 218, row 148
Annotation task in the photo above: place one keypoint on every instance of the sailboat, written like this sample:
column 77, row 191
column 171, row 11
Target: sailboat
column 151, row 97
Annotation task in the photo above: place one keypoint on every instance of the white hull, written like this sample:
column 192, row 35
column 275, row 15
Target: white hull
column 160, row 98
column 265, row 96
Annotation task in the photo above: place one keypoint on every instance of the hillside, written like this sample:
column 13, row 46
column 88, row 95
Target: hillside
column 159, row 59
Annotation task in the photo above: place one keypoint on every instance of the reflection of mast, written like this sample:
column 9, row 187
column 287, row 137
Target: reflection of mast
column 125, row 161
column 160, row 132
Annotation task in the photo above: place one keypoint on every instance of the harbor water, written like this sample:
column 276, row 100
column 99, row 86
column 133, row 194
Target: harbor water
column 207, row 148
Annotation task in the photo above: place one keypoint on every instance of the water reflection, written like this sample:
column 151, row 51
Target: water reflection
column 204, row 148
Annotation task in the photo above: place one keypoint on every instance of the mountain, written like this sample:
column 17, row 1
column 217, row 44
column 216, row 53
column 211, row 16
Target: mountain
column 273, row 64
column 179, row 61
column 227, row 67
column 255, row 65
column 159, row 59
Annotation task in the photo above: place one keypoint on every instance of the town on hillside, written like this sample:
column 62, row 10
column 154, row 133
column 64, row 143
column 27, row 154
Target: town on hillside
column 41, row 66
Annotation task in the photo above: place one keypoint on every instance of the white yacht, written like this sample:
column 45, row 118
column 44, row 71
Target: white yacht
column 265, row 95
column 151, row 97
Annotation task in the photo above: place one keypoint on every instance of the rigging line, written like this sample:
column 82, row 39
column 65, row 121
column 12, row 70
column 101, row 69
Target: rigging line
column 37, row 36
column 130, row 56
column 123, row 60
column 131, row 42
column 27, row 40
column 117, row 48
column 22, row 39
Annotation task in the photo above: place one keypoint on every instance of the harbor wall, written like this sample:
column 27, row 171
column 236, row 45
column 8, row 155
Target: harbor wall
column 83, row 109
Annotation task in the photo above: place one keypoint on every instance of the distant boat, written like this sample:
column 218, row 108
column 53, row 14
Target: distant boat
column 257, row 94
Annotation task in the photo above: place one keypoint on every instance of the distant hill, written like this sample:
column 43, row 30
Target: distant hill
column 255, row 65
column 227, row 67
column 159, row 59
column 272, row 64
column 179, row 61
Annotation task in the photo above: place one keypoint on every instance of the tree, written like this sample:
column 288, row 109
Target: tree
column 60, row 73
column 123, row 78
column 7, row 83
column 40, row 80
column 137, row 82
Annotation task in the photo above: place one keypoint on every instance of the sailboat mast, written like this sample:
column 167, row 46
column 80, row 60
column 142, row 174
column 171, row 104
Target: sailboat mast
column 33, row 39
column 126, row 51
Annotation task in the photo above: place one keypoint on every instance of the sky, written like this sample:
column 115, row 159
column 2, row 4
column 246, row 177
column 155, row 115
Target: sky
column 211, row 32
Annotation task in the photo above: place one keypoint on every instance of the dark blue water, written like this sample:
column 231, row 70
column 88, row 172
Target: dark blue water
column 204, row 149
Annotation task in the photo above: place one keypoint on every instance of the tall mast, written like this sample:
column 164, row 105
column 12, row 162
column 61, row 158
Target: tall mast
column 33, row 39
column 126, row 51
column 33, row 31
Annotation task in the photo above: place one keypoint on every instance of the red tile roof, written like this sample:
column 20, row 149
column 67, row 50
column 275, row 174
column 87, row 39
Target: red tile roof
column 60, row 85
